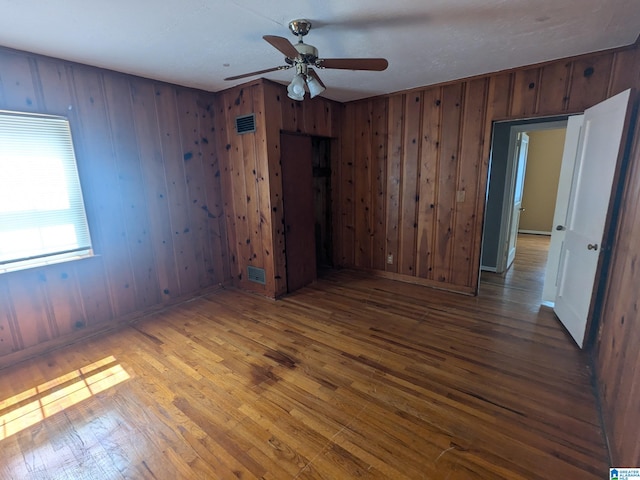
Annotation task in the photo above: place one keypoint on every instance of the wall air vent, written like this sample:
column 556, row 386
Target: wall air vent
column 255, row 274
column 246, row 123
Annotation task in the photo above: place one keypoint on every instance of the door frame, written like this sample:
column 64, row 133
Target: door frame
column 333, row 152
column 519, row 126
column 613, row 213
column 520, row 172
column 298, row 198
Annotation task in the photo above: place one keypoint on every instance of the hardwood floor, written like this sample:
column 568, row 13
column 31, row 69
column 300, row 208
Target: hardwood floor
column 527, row 271
column 351, row 377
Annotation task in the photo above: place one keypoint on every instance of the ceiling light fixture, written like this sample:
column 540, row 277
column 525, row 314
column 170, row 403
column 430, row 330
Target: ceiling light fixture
column 314, row 85
column 296, row 87
column 304, row 75
column 302, row 56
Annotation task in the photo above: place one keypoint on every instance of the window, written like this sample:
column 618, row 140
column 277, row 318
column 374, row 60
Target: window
column 42, row 217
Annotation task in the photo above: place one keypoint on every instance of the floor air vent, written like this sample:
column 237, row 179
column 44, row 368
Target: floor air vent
column 246, row 123
column 255, row 274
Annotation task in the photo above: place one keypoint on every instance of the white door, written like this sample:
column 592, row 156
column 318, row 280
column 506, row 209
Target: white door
column 591, row 190
column 572, row 137
column 522, row 148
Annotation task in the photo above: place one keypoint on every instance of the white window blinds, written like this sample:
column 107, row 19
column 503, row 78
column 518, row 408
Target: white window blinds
column 42, row 216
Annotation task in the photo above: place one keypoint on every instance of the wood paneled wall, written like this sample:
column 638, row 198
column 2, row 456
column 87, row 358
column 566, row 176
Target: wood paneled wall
column 252, row 180
column 414, row 165
column 409, row 182
column 617, row 353
column 149, row 173
column 412, row 184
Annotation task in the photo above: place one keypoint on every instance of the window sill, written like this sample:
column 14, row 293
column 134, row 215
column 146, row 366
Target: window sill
column 48, row 264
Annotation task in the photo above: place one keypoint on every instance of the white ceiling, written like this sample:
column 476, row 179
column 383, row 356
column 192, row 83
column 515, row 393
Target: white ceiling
column 197, row 43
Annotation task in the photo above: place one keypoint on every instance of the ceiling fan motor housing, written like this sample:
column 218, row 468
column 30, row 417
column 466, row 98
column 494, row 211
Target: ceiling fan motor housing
column 307, row 52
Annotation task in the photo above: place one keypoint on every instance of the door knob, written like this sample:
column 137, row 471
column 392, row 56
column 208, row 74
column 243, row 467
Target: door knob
column 560, row 228
column 592, row 246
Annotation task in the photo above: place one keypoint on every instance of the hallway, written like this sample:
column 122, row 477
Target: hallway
column 527, row 271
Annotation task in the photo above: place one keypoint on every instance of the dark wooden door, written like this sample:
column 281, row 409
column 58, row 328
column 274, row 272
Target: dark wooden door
column 297, row 190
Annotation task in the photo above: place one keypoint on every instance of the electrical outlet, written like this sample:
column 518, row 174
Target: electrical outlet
column 390, row 258
column 460, row 196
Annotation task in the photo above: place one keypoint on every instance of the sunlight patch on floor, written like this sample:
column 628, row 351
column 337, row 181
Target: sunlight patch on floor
column 27, row 408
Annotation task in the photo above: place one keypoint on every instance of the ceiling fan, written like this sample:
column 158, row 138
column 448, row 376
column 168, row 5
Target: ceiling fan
column 303, row 57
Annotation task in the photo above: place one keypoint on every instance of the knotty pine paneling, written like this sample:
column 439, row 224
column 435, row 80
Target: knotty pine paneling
column 445, row 207
column 469, row 193
column 150, row 178
column 394, row 158
column 379, row 166
column 362, row 165
column 437, row 146
column 409, row 192
column 429, row 161
column 345, row 192
column 252, row 180
column 316, row 117
column 524, row 96
column 617, row 356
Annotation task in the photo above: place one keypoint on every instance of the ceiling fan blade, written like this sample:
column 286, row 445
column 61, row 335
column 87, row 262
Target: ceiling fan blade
column 314, row 74
column 282, row 44
column 375, row 64
column 259, row 72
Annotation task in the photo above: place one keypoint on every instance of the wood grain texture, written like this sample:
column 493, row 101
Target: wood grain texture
column 467, row 182
column 252, row 183
column 396, row 121
column 561, row 87
column 626, row 71
column 526, row 87
column 349, row 378
column 434, row 213
column 447, row 180
column 145, row 212
column 275, row 115
column 152, row 158
column 590, row 79
column 378, row 178
column 554, row 83
column 617, row 356
column 410, row 193
column 296, row 161
column 362, row 158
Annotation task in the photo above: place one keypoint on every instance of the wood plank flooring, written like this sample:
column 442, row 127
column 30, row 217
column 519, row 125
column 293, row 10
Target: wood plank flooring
column 352, row 377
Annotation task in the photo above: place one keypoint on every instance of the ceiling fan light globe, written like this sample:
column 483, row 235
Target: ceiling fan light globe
column 291, row 93
column 294, row 96
column 296, row 86
column 314, row 86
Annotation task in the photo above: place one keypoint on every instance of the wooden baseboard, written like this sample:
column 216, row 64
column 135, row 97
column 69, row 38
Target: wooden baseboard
column 100, row 329
column 418, row 281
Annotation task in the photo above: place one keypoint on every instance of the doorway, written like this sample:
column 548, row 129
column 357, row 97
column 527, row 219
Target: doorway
column 585, row 228
column 322, row 202
column 306, row 194
column 513, row 207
